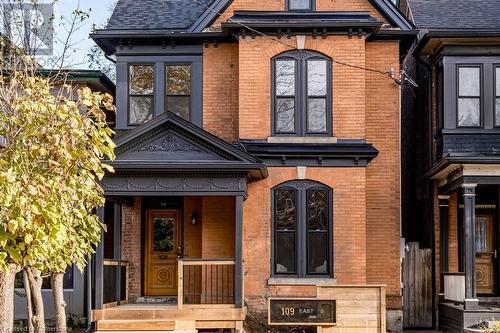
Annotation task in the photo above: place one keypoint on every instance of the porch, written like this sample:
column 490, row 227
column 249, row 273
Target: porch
column 171, row 259
column 469, row 226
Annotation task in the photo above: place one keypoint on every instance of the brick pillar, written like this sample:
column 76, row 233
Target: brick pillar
column 131, row 247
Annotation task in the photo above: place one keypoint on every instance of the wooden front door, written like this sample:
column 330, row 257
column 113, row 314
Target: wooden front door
column 485, row 254
column 161, row 244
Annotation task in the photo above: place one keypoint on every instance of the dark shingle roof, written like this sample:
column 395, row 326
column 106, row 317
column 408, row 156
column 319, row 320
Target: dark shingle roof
column 456, row 14
column 156, row 14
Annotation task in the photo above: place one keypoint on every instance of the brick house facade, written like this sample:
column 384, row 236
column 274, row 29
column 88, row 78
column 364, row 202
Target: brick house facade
column 225, row 160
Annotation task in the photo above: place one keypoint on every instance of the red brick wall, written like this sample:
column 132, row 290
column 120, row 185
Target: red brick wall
column 348, row 84
column 349, row 205
column 383, row 173
column 218, row 227
column 453, row 234
column 131, row 246
column 220, row 90
column 192, row 233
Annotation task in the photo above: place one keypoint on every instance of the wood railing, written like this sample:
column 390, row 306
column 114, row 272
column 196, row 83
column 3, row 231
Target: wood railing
column 206, row 282
column 454, row 287
column 115, row 282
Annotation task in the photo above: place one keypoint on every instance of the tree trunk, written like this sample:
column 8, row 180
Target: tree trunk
column 29, row 303
column 7, row 298
column 35, row 280
column 60, row 305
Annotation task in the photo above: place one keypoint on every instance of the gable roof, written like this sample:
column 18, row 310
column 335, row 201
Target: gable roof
column 156, row 14
column 190, row 16
column 455, row 14
column 170, row 143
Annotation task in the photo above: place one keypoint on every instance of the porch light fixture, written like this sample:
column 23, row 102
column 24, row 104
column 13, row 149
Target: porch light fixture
column 194, row 218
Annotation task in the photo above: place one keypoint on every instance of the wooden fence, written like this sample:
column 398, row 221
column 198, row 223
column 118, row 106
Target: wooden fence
column 417, row 279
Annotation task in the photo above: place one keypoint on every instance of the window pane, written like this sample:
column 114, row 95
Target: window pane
column 468, row 111
column 316, row 118
column 285, row 252
column 285, row 115
column 285, row 210
column 285, row 78
column 317, row 253
column 141, row 109
column 497, row 81
column 163, row 234
column 497, row 112
column 179, row 105
column 316, row 77
column 141, row 80
column 299, row 4
column 317, row 209
column 178, row 80
column 469, row 81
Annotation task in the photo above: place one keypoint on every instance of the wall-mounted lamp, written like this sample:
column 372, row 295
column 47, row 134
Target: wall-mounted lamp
column 194, row 218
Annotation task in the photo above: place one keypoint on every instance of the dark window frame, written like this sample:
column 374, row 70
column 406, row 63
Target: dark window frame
column 301, row 233
column 312, row 7
column 302, row 97
column 481, row 93
column 495, row 95
column 129, row 95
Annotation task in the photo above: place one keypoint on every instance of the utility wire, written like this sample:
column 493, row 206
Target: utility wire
column 293, row 47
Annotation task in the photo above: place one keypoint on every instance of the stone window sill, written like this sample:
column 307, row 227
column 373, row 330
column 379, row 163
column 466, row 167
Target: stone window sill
column 302, row 282
column 301, row 139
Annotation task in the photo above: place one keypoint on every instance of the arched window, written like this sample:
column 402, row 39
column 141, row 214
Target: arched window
column 302, row 88
column 302, row 229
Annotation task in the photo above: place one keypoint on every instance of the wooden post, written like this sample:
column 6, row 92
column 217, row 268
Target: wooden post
column 117, row 221
column 180, row 283
column 238, row 254
column 98, row 265
column 443, row 238
column 469, row 225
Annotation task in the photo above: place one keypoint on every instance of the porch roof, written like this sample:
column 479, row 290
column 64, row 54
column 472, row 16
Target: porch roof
column 170, row 154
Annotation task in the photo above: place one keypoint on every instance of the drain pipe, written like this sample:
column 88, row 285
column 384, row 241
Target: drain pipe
column 89, row 296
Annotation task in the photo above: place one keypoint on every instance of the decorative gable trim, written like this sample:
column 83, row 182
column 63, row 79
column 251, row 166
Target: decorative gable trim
column 385, row 7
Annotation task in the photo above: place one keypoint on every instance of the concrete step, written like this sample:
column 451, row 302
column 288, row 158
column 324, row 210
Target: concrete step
column 136, row 325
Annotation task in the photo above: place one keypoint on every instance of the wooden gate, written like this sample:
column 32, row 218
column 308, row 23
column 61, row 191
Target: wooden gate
column 417, row 279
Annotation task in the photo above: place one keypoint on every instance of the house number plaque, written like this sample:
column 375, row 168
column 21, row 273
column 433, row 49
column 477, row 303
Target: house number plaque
column 299, row 312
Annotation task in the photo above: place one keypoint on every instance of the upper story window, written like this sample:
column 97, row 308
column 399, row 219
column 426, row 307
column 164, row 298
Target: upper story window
column 178, row 90
column 302, row 223
column 143, row 90
column 300, row 5
column 141, row 93
column 302, row 85
column 469, row 96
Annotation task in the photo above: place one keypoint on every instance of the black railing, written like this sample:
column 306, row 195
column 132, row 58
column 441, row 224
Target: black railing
column 110, row 272
column 206, row 282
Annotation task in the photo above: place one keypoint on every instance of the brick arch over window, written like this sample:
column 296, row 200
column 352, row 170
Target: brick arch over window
column 302, row 94
column 302, row 235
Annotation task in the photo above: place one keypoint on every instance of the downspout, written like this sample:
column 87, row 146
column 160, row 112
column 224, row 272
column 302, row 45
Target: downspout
column 89, row 296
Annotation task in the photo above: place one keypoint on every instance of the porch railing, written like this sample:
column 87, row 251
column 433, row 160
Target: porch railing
column 111, row 286
column 454, row 286
column 206, row 282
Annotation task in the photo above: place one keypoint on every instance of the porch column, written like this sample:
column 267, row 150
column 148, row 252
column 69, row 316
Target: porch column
column 98, row 265
column 470, row 302
column 443, row 237
column 117, row 242
column 238, row 254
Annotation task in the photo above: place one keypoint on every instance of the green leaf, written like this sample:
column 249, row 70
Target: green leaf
column 12, row 226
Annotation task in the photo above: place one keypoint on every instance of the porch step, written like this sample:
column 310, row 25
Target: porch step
column 136, row 325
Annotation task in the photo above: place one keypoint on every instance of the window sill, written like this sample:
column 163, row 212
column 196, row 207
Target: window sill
column 301, row 139
column 302, row 282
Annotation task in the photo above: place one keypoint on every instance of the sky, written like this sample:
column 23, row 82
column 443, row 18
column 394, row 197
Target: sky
column 60, row 14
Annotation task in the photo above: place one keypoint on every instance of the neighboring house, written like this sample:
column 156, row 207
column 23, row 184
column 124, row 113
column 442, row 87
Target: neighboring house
column 74, row 281
column 451, row 154
column 257, row 159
